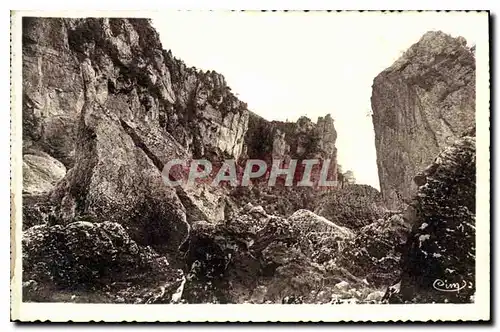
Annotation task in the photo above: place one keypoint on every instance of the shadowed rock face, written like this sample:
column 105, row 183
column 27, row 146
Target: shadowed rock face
column 441, row 247
column 424, row 101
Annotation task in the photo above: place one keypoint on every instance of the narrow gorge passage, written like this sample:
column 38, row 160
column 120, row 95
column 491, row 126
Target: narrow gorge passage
column 106, row 105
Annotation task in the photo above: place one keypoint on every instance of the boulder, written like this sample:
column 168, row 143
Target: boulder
column 84, row 261
column 308, row 221
column 261, row 258
column 38, row 210
column 41, row 173
column 116, row 177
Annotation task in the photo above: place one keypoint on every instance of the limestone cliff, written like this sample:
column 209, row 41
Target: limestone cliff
column 421, row 104
column 102, row 96
column 132, row 77
column 104, row 108
column 299, row 140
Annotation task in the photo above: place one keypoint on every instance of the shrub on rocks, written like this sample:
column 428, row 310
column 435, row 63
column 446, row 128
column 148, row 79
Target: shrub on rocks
column 440, row 252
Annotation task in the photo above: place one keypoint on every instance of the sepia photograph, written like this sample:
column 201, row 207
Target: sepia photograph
column 274, row 160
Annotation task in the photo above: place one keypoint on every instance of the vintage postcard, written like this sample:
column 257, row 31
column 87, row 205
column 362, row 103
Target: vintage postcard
column 250, row 166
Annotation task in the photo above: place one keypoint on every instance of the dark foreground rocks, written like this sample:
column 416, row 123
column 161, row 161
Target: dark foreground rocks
column 260, row 258
column 439, row 260
column 94, row 262
column 253, row 257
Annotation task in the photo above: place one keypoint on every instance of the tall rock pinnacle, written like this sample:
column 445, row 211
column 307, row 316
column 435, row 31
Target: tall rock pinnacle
column 421, row 104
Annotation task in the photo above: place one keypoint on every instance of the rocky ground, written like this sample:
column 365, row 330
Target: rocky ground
column 105, row 107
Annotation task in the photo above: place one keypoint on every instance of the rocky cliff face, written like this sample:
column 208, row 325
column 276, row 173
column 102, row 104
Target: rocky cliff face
column 421, row 104
column 131, row 76
column 104, row 108
column 301, row 140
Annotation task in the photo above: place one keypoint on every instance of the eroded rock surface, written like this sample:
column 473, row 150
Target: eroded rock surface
column 40, row 173
column 85, row 261
column 261, row 258
column 421, row 104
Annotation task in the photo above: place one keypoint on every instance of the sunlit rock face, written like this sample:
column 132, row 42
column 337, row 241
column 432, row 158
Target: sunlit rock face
column 134, row 78
column 41, row 172
column 421, row 104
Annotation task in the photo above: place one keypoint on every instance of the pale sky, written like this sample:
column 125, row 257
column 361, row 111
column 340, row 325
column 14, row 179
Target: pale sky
column 285, row 65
